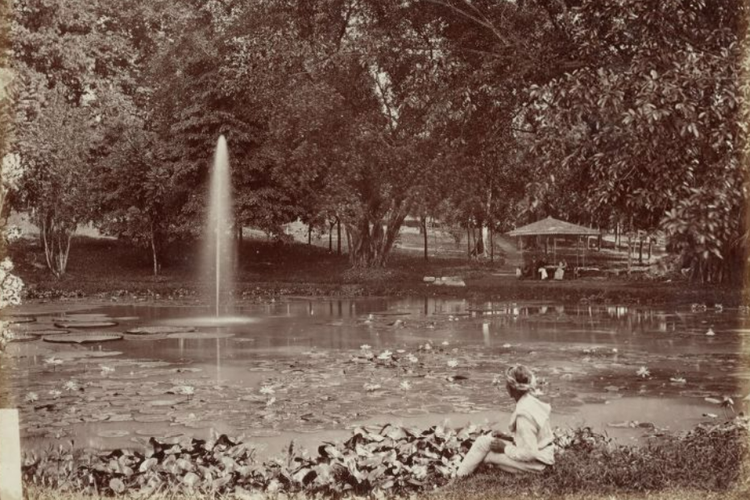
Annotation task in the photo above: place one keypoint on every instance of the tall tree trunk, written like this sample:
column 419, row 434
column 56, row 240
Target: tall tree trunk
column 338, row 236
column 492, row 245
column 468, row 240
column 309, row 234
column 424, row 235
column 330, row 237
column 154, row 253
column 640, row 251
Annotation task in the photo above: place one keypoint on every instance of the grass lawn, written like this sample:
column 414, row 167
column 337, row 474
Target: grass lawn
column 106, row 266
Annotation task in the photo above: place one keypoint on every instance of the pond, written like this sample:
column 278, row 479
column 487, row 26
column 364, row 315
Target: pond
column 309, row 369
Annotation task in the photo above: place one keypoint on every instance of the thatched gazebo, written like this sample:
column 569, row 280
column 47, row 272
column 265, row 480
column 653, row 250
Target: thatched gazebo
column 554, row 227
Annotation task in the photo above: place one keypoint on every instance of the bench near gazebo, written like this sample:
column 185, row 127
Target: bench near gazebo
column 551, row 227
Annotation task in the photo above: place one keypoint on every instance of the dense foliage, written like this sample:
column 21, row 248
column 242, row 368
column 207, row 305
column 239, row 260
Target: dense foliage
column 392, row 460
column 483, row 113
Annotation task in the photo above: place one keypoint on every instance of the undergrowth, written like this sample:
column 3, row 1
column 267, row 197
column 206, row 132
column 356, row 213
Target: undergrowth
column 705, row 463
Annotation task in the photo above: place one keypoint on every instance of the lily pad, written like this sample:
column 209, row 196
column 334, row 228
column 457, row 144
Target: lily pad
column 48, row 331
column 156, row 330
column 23, row 337
column 82, row 338
column 84, row 324
column 15, row 320
column 113, row 434
column 164, row 402
column 200, row 335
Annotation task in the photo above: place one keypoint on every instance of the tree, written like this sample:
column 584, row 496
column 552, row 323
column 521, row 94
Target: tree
column 648, row 132
column 68, row 56
column 57, row 148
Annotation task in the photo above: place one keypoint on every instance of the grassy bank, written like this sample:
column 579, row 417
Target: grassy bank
column 111, row 269
column 707, row 462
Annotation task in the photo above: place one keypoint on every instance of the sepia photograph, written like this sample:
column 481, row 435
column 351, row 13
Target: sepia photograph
column 374, row 249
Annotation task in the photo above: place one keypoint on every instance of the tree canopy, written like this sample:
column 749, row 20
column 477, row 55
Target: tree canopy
column 488, row 112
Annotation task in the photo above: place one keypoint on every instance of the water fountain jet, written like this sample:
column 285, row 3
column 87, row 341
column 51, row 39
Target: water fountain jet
column 219, row 248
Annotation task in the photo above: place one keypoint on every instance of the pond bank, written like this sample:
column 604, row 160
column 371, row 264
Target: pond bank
column 111, row 270
column 396, row 461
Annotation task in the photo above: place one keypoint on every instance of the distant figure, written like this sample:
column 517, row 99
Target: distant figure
column 543, row 273
column 560, row 271
column 530, row 448
column 519, row 273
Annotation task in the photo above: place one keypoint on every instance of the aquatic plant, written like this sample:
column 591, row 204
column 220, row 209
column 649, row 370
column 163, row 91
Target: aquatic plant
column 393, row 460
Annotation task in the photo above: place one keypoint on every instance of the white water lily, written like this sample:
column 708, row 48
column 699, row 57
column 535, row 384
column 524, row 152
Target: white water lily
column 371, row 387
column 54, row 393
column 677, row 380
column 53, row 361
column 187, row 390
column 267, row 389
column 365, row 347
column 385, row 355
column 643, row 372
column 445, row 342
column 427, row 346
column 31, row 397
column 412, row 358
column 507, row 346
column 270, row 402
column 71, row 385
column 452, row 363
column 106, row 369
column 710, row 332
column 405, row 385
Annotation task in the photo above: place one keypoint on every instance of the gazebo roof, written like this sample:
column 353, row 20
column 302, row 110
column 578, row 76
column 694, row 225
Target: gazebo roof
column 551, row 227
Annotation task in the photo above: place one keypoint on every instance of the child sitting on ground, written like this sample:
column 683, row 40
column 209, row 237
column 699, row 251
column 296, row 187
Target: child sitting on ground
column 531, row 448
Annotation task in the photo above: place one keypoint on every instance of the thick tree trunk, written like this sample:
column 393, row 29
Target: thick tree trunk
column 56, row 240
column 373, row 238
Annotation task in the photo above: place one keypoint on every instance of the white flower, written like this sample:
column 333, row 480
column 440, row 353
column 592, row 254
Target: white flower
column 365, row 347
column 614, row 350
column 452, row 363
column 710, row 332
column 427, row 346
column 187, row 390
column 445, row 342
column 106, row 369
column 267, row 389
column 405, row 385
column 54, row 393
column 371, row 387
column 506, row 346
column 71, row 385
column 53, row 361
column 677, row 380
column 412, row 358
column 270, row 402
column 385, row 355
column 31, row 397
column 643, row 372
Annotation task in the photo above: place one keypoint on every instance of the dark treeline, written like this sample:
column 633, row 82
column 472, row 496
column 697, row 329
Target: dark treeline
column 484, row 114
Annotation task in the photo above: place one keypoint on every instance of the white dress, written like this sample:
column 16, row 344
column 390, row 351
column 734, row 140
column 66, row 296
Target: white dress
column 532, row 449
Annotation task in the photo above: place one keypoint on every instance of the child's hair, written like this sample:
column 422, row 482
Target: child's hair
column 520, row 378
